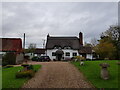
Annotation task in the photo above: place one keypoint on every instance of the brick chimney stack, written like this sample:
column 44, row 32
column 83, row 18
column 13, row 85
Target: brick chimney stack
column 81, row 38
column 48, row 35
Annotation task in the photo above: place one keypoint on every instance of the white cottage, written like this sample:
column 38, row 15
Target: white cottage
column 64, row 48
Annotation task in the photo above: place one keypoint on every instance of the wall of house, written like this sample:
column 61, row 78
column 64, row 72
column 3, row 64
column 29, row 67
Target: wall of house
column 19, row 58
column 89, row 56
column 31, row 55
column 2, row 53
column 71, row 53
column 49, row 53
column 39, row 55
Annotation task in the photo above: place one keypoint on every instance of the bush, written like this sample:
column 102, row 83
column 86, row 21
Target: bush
column 4, row 63
column 24, row 74
column 9, row 59
column 29, row 67
column 88, row 59
column 79, row 58
column 8, row 66
column 35, row 58
column 25, row 65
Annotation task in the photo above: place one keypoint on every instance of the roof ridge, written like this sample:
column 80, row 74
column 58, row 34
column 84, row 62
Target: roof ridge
column 10, row 38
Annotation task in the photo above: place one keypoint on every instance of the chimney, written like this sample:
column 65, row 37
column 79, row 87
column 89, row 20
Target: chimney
column 48, row 35
column 81, row 38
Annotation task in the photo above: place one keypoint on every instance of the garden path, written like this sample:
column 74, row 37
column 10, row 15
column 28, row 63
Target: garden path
column 57, row 75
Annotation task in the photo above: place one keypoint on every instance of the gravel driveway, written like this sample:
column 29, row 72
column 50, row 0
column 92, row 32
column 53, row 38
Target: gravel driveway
column 57, row 75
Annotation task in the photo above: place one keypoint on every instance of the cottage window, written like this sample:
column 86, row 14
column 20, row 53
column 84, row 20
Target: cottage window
column 67, row 54
column 74, row 54
column 53, row 54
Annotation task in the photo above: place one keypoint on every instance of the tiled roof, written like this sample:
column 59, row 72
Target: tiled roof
column 84, row 50
column 10, row 44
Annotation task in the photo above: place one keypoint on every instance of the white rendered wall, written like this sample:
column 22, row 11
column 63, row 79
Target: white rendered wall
column 49, row 53
column 71, row 52
column 3, row 53
column 31, row 55
column 89, row 56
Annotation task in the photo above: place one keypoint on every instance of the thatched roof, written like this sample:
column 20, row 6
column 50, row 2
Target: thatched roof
column 59, row 51
column 72, row 42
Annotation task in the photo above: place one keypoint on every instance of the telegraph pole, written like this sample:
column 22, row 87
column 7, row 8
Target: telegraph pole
column 43, row 43
column 24, row 46
column 24, row 41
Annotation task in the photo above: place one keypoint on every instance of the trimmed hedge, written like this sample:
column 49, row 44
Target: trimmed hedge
column 24, row 65
column 8, row 66
column 29, row 67
column 24, row 74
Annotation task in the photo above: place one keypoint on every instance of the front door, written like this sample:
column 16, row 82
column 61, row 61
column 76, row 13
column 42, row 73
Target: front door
column 59, row 57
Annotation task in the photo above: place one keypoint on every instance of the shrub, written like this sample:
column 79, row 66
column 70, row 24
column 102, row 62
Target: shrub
column 25, row 65
column 79, row 58
column 88, row 59
column 29, row 67
column 24, row 74
column 8, row 66
column 4, row 63
column 9, row 59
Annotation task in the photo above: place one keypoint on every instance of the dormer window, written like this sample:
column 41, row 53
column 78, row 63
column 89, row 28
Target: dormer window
column 57, row 47
column 67, row 47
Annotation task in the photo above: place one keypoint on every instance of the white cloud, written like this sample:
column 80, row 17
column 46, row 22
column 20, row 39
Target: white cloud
column 39, row 19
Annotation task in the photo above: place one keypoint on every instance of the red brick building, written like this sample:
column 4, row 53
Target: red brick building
column 13, row 45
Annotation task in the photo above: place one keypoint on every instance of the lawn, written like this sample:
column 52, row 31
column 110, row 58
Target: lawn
column 91, row 70
column 10, row 81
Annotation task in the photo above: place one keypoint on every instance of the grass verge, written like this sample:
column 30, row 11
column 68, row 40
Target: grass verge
column 10, row 81
column 91, row 70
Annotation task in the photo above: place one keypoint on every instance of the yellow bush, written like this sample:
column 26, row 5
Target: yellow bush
column 79, row 58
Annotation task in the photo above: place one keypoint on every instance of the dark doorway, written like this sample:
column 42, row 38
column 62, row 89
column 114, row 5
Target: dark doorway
column 83, row 55
column 59, row 54
column 59, row 57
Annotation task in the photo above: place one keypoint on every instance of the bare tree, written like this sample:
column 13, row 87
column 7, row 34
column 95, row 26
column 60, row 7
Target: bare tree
column 94, row 42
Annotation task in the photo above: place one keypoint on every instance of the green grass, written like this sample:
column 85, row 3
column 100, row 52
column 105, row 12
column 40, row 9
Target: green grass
column 91, row 70
column 0, row 77
column 10, row 81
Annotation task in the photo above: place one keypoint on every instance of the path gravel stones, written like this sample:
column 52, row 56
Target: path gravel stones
column 57, row 75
